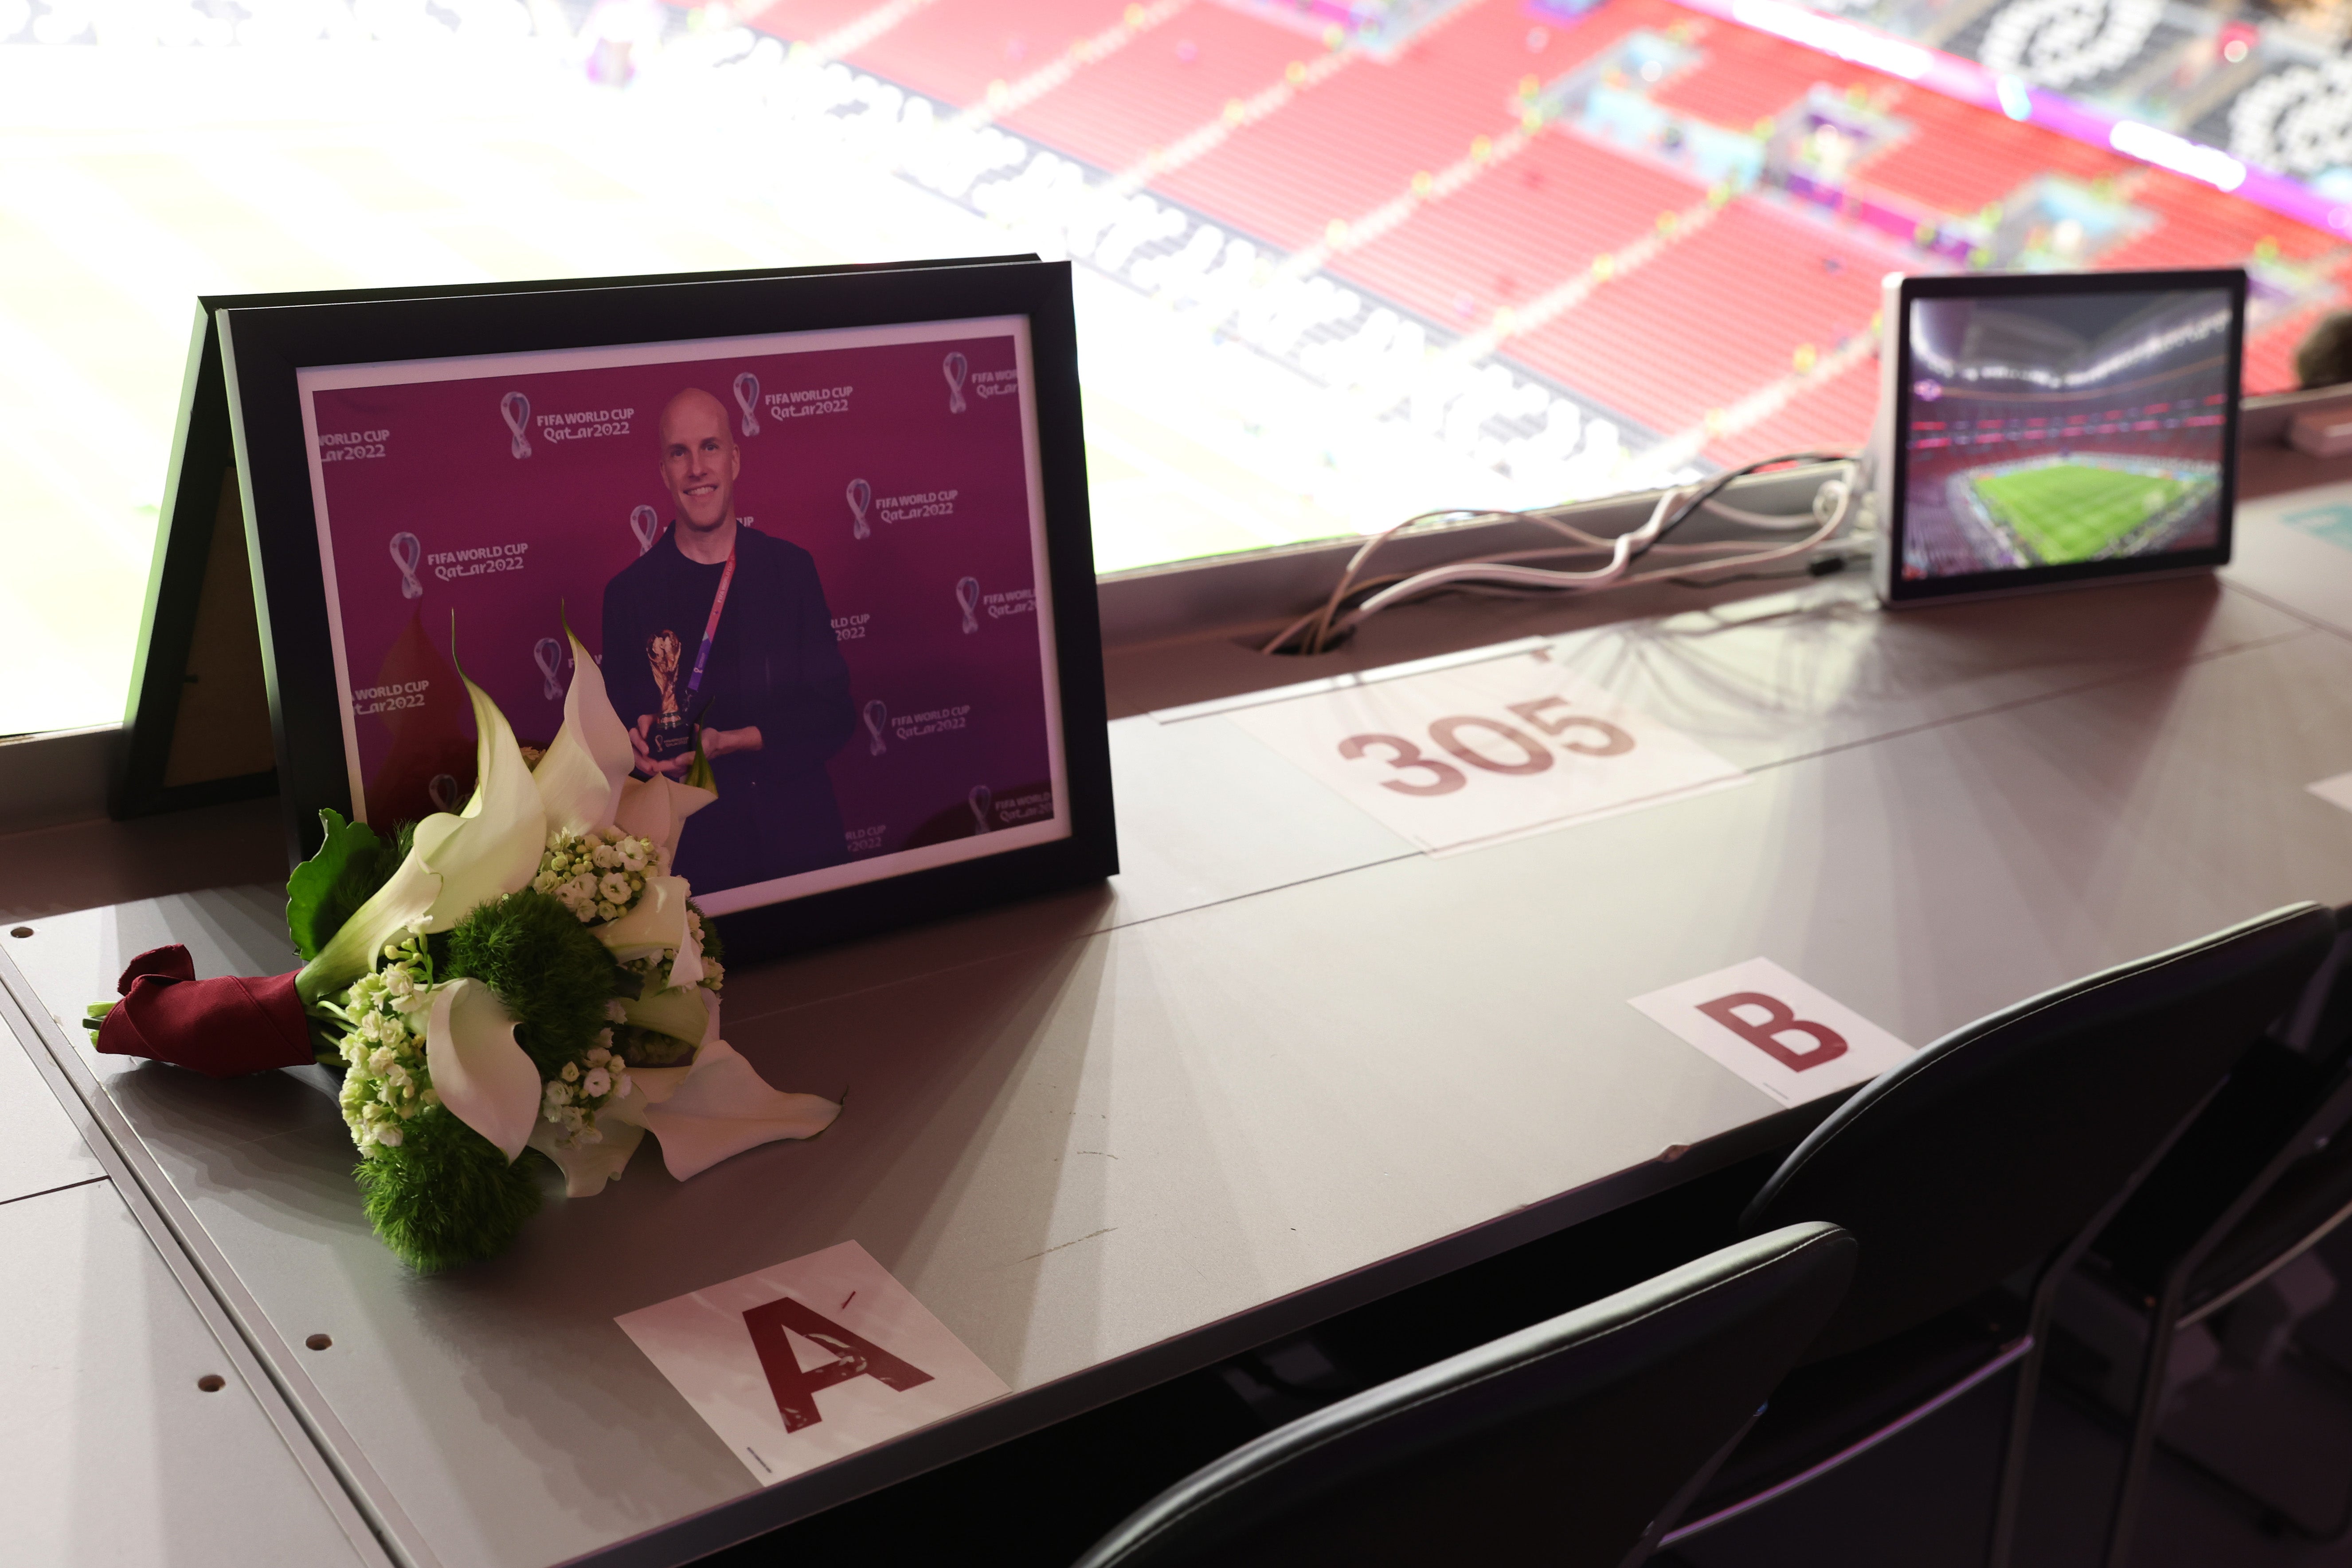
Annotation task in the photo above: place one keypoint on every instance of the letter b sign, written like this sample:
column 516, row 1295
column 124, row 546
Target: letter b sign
column 1772, row 1032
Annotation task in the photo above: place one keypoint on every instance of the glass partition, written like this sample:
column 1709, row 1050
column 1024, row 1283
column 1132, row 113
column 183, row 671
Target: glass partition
column 1339, row 261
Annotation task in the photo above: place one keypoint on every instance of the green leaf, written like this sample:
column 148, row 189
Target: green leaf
column 350, row 865
column 699, row 775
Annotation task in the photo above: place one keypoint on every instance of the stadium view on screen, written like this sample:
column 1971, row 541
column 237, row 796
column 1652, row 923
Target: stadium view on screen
column 2053, row 430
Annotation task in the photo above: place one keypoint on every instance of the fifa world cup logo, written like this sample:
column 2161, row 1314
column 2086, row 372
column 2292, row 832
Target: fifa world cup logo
column 547, row 654
column 406, row 552
column 968, row 601
column 671, row 734
column 981, row 801
column 859, row 495
column 747, row 398
column 515, row 409
column 875, row 717
column 955, row 367
column 645, row 524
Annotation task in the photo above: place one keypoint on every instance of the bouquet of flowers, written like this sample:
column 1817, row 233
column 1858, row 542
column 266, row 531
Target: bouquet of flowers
column 524, row 980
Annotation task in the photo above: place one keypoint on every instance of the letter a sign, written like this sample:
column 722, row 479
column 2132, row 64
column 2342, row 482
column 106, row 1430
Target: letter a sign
column 1775, row 1031
column 797, row 1365
column 795, row 1388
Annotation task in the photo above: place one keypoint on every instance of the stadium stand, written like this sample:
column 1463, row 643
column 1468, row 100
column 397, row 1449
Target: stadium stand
column 1832, row 412
column 2197, row 226
column 1674, row 336
column 1163, row 87
column 1750, row 77
column 809, row 20
column 1666, row 342
column 953, row 49
column 1345, row 149
column 2270, row 352
column 1959, row 158
column 1501, row 241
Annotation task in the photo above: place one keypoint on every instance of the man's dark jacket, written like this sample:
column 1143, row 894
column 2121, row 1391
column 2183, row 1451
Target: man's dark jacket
column 777, row 666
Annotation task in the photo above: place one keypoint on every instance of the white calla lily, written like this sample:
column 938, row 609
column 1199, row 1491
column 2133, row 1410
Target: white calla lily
column 454, row 861
column 359, row 942
column 494, row 844
column 581, row 776
column 586, row 1167
column 656, row 809
column 703, row 1113
column 685, row 969
column 681, row 1012
column 723, row 1107
column 657, row 925
column 483, row 1077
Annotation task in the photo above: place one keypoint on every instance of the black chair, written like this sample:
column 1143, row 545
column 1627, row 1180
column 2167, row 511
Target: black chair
column 2258, row 1179
column 1995, row 1155
column 1570, row 1443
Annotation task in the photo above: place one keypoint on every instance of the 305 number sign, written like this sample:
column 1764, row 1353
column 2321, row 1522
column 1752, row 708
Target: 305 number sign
column 1587, row 736
column 1407, row 748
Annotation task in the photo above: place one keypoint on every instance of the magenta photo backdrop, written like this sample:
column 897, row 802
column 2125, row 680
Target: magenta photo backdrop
column 901, row 467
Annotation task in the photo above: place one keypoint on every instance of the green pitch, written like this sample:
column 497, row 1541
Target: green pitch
column 2070, row 511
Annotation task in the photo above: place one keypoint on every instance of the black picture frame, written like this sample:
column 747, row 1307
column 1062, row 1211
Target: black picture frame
column 262, row 348
column 1892, row 443
column 198, row 625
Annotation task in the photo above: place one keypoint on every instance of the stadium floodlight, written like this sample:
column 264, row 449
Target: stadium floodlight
column 2038, row 430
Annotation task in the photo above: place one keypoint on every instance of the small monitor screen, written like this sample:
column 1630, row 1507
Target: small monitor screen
column 2063, row 430
column 819, row 558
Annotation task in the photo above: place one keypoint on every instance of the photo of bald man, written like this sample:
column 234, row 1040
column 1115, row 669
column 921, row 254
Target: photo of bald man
column 721, row 629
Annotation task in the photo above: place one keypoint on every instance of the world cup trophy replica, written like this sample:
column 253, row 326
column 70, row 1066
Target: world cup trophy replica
column 671, row 734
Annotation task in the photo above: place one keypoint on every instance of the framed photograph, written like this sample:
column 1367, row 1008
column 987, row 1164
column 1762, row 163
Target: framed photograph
column 832, row 529
column 2047, row 429
column 197, row 728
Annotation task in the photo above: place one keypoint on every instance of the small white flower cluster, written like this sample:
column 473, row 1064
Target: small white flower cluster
column 387, row 1084
column 570, row 1100
column 654, row 968
column 597, row 875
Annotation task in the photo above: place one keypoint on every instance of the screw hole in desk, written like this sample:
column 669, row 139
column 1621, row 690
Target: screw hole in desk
column 319, row 1342
column 212, row 1382
column 21, row 931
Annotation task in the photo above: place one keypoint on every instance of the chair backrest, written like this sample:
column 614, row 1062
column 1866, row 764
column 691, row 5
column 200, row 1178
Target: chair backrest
column 2321, row 1026
column 1560, row 1444
column 1988, row 1151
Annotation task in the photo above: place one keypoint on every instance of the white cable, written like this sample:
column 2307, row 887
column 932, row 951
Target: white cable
column 1498, row 573
column 1820, row 535
column 1489, row 571
column 1620, row 557
column 1747, row 518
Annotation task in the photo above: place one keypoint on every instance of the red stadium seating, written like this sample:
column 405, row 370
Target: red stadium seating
column 1716, row 318
column 1959, row 158
column 1168, row 82
column 804, row 21
column 1833, row 413
column 1507, row 237
column 1355, row 142
column 952, row 49
column 1727, row 307
column 1749, row 75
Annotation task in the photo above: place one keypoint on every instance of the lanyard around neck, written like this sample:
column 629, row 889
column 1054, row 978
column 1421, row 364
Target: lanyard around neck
column 711, row 627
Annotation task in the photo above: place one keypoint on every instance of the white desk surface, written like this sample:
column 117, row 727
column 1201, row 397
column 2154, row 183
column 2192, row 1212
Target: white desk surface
column 110, row 1452
column 1281, row 1064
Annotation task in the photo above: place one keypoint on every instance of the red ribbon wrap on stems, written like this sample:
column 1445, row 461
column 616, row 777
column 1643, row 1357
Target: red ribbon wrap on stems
column 221, row 1029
